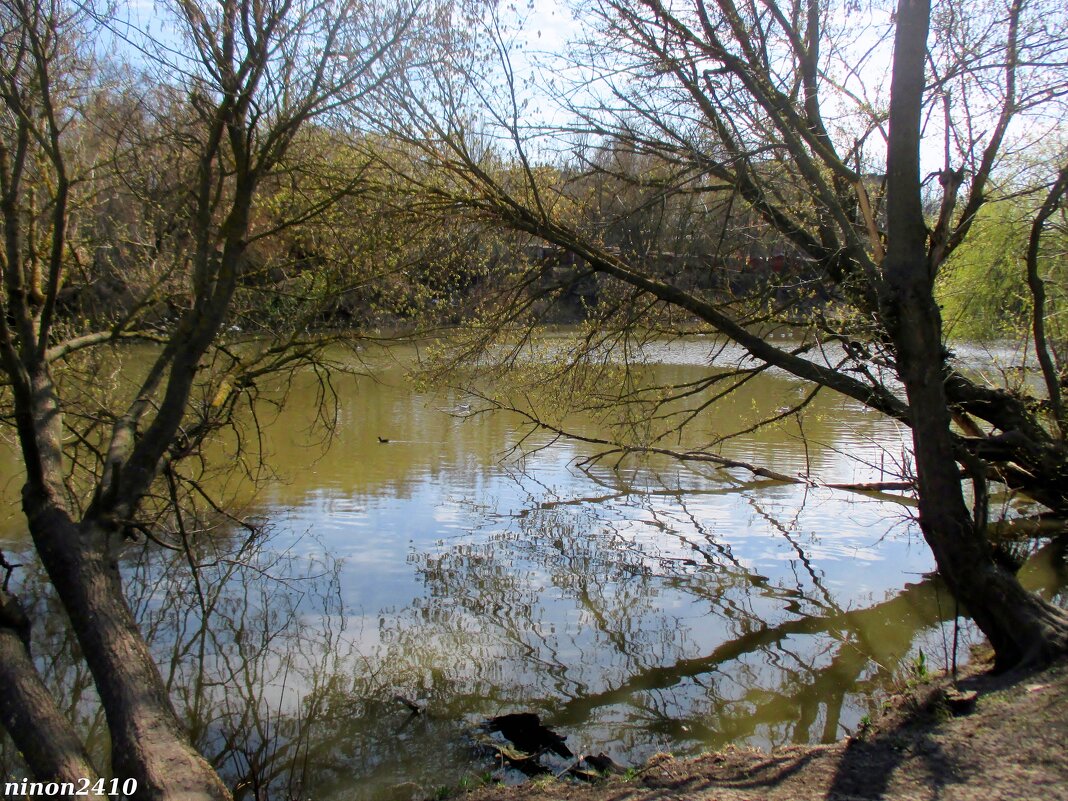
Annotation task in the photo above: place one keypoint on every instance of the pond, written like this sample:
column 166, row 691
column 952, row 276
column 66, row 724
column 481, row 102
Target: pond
column 638, row 607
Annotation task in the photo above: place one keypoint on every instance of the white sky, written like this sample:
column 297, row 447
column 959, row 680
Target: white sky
column 547, row 26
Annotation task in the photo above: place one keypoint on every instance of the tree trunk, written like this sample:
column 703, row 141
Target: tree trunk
column 43, row 735
column 1021, row 627
column 147, row 741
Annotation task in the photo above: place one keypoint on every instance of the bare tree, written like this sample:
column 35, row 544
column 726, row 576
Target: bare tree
column 774, row 112
column 245, row 83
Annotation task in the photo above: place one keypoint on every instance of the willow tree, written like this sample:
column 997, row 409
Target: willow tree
column 799, row 124
column 221, row 114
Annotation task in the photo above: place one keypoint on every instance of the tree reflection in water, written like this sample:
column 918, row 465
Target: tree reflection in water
column 606, row 634
column 629, row 632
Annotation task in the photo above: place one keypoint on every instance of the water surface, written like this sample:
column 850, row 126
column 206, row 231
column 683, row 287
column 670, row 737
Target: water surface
column 638, row 607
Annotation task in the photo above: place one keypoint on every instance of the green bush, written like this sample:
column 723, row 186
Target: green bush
column 983, row 287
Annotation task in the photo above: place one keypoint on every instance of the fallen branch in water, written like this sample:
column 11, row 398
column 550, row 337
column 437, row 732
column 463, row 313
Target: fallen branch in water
column 874, row 486
column 621, row 451
column 1028, row 527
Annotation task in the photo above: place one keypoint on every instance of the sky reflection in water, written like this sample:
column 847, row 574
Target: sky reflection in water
column 646, row 608
column 642, row 609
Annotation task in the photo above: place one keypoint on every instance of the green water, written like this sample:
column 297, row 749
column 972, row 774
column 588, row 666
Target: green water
column 637, row 607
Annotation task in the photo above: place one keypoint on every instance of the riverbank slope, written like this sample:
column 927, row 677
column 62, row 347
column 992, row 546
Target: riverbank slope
column 1012, row 746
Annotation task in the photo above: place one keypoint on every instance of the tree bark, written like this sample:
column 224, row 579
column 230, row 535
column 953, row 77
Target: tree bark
column 147, row 741
column 43, row 735
column 1021, row 627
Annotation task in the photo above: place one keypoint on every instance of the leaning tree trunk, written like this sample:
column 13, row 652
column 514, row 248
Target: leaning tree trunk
column 147, row 741
column 28, row 710
column 1021, row 627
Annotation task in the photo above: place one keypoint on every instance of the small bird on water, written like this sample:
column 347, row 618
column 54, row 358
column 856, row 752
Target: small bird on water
column 383, row 440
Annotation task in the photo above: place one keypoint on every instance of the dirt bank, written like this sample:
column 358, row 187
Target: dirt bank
column 1012, row 746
